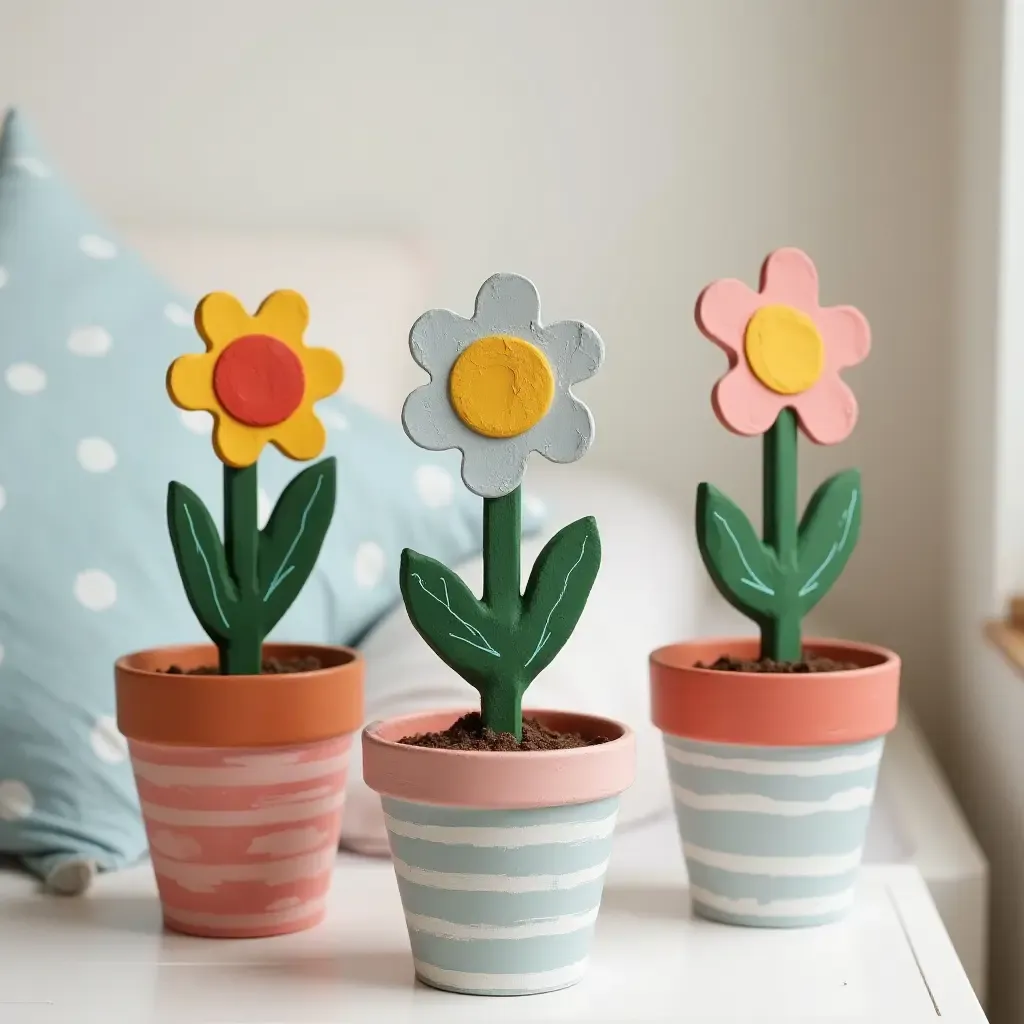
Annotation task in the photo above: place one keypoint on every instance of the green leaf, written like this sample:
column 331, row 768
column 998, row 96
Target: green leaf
column 556, row 593
column 202, row 563
column 828, row 533
column 744, row 569
column 457, row 627
column 290, row 543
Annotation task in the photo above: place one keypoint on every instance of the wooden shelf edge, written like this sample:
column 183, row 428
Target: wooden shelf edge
column 1008, row 640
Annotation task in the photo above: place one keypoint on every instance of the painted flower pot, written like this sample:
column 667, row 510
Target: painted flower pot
column 500, row 857
column 773, row 776
column 242, row 783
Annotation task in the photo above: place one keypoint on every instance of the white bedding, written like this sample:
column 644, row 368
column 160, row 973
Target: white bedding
column 646, row 595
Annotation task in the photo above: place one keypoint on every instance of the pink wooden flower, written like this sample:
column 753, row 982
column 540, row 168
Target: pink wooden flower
column 789, row 355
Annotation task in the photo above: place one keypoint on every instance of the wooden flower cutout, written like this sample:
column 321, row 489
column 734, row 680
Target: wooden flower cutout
column 258, row 378
column 785, row 350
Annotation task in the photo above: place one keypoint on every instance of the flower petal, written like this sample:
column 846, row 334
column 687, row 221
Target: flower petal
column 507, row 304
column 324, row 372
column 723, row 311
column 743, row 404
column 283, row 315
column 828, row 412
column 429, row 419
column 301, row 437
column 847, row 335
column 220, row 318
column 438, row 338
column 236, row 444
column 790, row 277
column 190, row 382
column 493, row 468
column 575, row 350
column 565, row 434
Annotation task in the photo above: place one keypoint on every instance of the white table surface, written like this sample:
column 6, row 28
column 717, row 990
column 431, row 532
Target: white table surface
column 103, row 959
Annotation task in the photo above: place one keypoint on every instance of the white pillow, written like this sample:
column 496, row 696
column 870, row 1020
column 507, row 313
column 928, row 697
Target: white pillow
column 647, row 593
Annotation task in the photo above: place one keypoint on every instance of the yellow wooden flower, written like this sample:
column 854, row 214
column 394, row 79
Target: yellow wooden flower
column 257, row 378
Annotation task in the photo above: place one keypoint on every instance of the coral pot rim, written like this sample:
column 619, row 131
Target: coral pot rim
column 243, row 711
column 774, row 708
column 498, row 780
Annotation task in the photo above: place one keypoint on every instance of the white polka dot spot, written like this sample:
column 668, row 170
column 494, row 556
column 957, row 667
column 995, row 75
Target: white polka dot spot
column 32, row 165
column 263, row 508
column 97, row 247
column 4, row 278
column 198, row 421
column 96, row 455
column 334, row 419
column 535, row 507
column 3, row 498
column 178, row 315
column 369, row 564
column 435, row 486
column 107, row 742
column 95, row 590
column 90, row 341
column 25, row 378
column 16, row 800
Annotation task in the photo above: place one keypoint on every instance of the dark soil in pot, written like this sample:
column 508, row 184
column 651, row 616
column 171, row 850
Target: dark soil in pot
column 468, row 733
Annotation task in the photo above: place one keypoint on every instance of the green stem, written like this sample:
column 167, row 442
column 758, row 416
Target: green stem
column 501, row 709
column 241, row 654
column 502, row 531
column 501, row 699
column 781, row 635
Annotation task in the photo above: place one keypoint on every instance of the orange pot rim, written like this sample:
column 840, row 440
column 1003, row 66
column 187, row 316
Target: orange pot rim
column 243, row 711
column 774, row 708
column 498, row 780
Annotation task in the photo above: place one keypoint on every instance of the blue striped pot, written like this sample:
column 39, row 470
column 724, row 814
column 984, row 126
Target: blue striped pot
column 499, row 900
column 773, row 832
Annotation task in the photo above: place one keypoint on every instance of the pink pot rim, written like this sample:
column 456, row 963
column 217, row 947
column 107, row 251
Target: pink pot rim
column 498, row 780
column 774, row 709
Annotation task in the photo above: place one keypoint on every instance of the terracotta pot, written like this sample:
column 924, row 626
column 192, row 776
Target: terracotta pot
column 242, row 783
column 773, row 776
column 500, row 857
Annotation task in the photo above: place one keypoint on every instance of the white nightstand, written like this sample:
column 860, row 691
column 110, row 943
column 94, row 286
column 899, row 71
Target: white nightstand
column 104, row 959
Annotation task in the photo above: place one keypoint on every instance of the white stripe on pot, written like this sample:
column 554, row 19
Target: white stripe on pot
column 841, row 764
column 564, row 925
column 252, row 775
column 748, row 906
column 510, row 837
column 210, row 877
column 778, row 867
column 274, row 815
column 463, row 882
column 755, row 803
column 268, row 919
column 539, row 981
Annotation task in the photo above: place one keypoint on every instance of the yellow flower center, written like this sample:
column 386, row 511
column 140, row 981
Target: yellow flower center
column 501, row 386
column 784, row 349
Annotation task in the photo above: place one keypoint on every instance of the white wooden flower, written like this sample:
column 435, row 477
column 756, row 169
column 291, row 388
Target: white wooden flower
column 501, row 385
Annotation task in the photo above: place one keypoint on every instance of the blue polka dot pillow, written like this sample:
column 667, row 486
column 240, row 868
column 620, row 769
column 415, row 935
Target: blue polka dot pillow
column 88, row 442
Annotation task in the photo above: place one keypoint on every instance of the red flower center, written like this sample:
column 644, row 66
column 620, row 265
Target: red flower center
column 259, row 380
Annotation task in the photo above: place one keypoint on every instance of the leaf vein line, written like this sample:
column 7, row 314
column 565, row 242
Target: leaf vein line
column 544, row 634
column 206, row 563
column 847, row 519
column 446, row 604
column 754, row 581
column 282, row 574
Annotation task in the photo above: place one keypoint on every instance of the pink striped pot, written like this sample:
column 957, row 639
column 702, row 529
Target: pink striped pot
column 243, row 812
